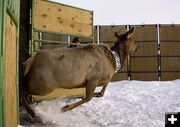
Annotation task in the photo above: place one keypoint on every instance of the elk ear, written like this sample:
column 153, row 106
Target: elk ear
column 116, row 34
column 130, row 32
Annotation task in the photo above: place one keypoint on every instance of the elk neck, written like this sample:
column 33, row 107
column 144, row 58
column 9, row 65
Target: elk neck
column 121, row 54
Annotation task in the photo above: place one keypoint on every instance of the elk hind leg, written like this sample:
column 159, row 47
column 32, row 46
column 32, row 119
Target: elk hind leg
column 26, row 102
column 90, row 87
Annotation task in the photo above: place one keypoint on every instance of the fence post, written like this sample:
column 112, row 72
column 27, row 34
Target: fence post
column 128, row 60
column 98, row 35
column 158, row 52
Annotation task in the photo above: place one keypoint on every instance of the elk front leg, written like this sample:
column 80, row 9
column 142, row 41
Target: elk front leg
column 90, row 87
column 101, row 93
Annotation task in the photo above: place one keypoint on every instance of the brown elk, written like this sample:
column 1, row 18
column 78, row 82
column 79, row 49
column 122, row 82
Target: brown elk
column 87, row 66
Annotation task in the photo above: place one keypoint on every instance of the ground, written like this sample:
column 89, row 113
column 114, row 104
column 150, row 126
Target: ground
column 125, row 104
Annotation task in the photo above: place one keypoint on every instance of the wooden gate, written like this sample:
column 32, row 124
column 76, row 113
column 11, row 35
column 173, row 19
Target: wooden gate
column 9, row 19
column 55, row 18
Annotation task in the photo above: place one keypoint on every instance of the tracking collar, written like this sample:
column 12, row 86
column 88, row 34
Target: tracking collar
column 117, row 59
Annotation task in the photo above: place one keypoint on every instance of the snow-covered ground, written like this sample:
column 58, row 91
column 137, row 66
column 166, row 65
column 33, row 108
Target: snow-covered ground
column 125, row 104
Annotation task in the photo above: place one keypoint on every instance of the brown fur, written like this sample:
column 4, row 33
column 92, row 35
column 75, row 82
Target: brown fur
column 87, row 66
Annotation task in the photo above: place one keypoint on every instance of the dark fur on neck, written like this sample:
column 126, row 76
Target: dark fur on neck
column 116, row 48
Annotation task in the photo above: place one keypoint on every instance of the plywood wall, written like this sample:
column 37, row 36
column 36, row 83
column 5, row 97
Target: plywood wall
column 144, row 64
column 146, row 49
column 145, row 33
column 53, row 17
column 166, row 76
column 106, row 33
column 169, row 32
column 170, row 52
column 119, row 76
column 10, row 74
column 60, row 92
column 144, row 76
column 170, row 64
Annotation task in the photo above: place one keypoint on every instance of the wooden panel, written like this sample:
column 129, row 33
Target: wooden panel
column 145, row 33
column 144, row 64
column 106, row 33
column 124, row 67
column 170, row 32
column 53, row 37
column 170, row 63
column 53, row 17
column 170, row 76
column 61, row 93
column 75, row 92
column 119, row 76
column 110, row 44
column 170, row 48
column 144, row 76
column 85, row 40
column 95, row 33
column 146, row 49
column 10, row 74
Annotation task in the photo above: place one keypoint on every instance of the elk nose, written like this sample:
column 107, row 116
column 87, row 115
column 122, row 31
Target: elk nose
column 137, row 49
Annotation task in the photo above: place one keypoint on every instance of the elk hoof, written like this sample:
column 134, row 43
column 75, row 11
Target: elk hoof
column 65, row 108
column 38, row 120
column 98, row 95
column 32, row 113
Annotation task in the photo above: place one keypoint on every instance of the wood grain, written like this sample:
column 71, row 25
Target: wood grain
column 59, row 18
column 10, row 74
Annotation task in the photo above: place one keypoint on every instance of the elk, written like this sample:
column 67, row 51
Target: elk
column 86, row 66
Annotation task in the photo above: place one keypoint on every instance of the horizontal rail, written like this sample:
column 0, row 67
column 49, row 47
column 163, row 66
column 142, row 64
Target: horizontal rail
column 63, row 34
column 144, row 56
column 170, row 71
column 170, row 55
column 144, row 71
column 155, row 71
column 58, row 42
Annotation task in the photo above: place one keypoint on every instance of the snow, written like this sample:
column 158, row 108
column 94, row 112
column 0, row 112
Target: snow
column 125, row 104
